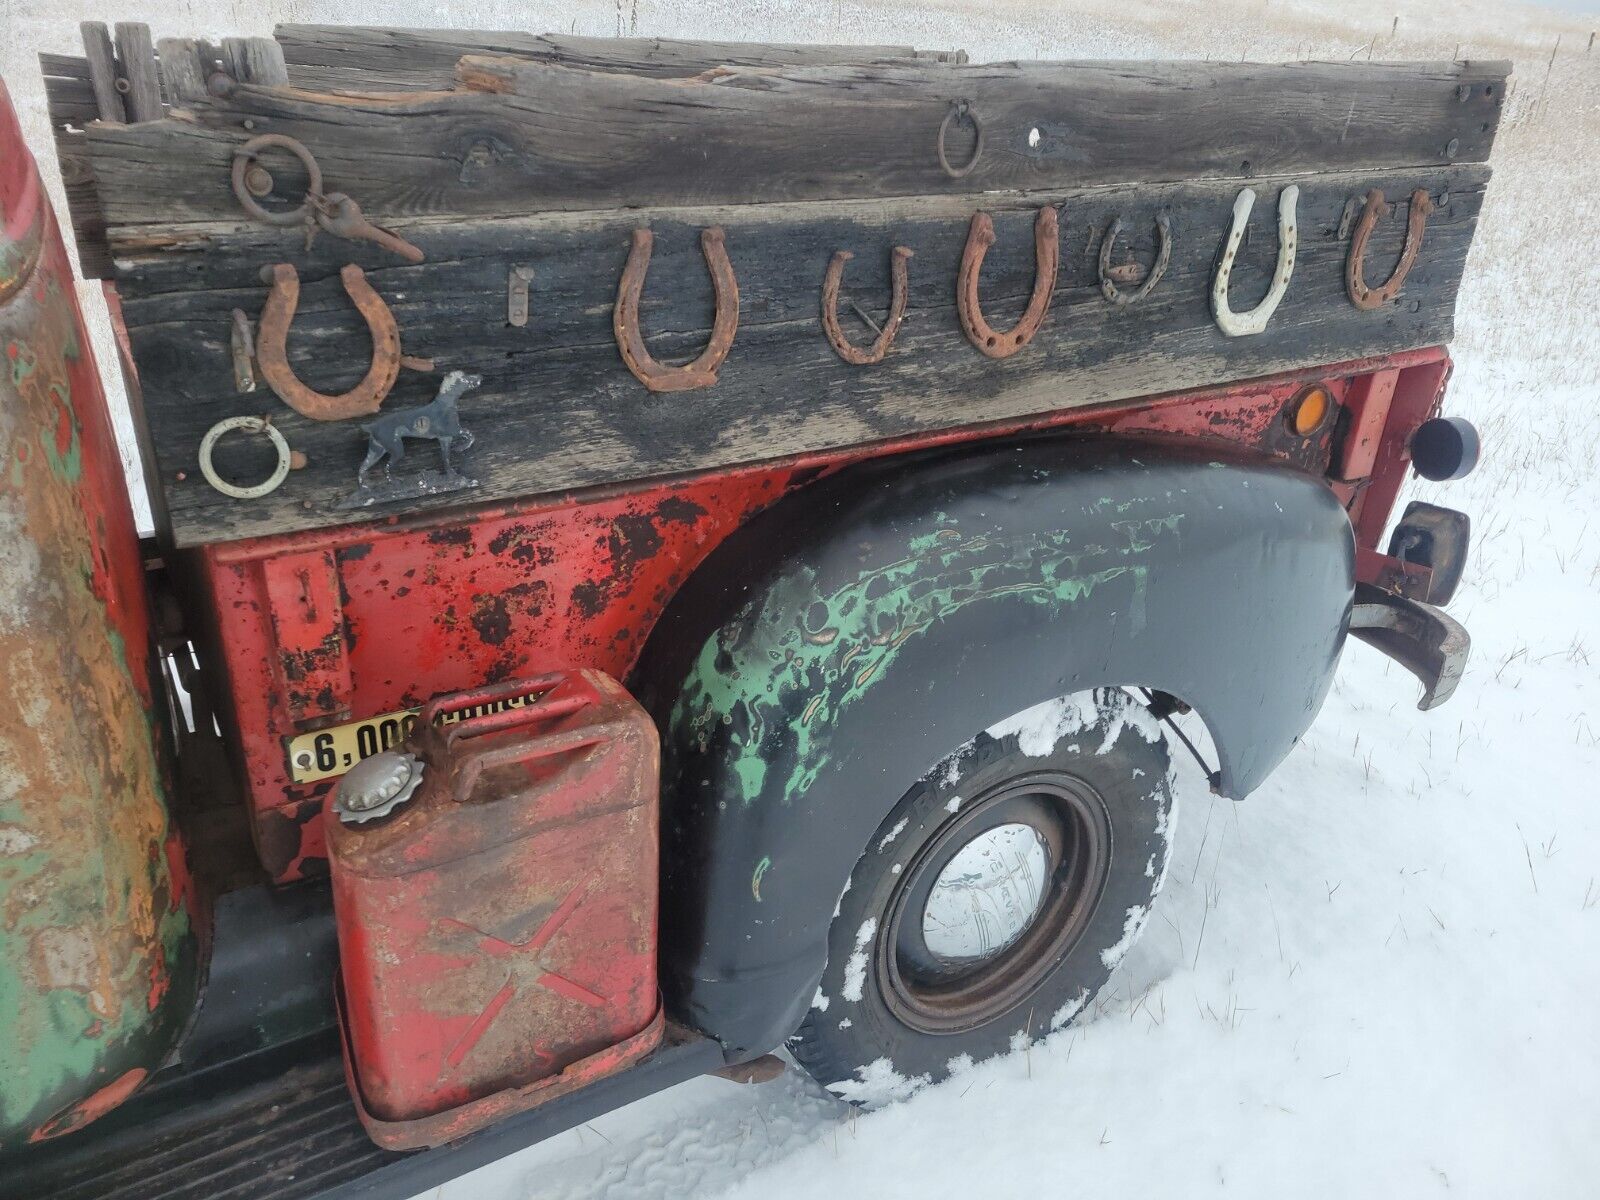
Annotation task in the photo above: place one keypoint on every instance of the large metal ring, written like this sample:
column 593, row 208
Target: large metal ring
column 960, row 108
column 208, row 444
column 246, row 154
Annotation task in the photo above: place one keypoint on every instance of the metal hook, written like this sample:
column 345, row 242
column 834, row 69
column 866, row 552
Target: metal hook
column 898, row 296
column 1242, row 324
column 1376, row 210
column 1046, row 257
column 272, row 336
column 1108, row 286
column 960, row 108
column 702, row 372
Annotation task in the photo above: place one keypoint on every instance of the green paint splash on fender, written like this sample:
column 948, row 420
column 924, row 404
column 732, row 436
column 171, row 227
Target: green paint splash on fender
column 815, row 650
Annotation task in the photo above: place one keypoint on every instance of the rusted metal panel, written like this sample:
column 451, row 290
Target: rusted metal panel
column 440, row 604
column 308, row 625
column 497, row 928
column 97, row 950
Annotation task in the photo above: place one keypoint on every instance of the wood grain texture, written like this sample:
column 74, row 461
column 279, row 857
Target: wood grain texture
column 373, row 58
column 558, row 410
column 137, row 55
column 101, row 67
column 564, row 139
column 73, row 105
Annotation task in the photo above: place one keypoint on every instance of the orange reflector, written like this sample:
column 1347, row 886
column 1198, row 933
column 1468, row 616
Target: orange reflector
column 1309, row 410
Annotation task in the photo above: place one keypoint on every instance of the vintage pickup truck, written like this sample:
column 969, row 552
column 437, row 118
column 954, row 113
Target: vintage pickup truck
column 665, row 553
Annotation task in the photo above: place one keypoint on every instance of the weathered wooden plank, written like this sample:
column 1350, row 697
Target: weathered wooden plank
column 372, row 58
column 137, row 54
column 558, row 409
column 102, row 68
column 570, row 139
column 182, row 72
column 73, row 105
column 255, row 60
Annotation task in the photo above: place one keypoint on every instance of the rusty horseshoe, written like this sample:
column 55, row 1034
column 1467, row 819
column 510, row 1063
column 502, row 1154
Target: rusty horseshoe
column 1376, row 210
column 272, row 354
column 899, row 287
column 1108, row 286
column 1046, row 256
column 702, row 372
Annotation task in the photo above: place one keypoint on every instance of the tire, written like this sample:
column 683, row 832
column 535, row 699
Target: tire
column 930, row 968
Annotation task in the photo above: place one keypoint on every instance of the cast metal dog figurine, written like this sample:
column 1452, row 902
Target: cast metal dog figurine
column 437, row 421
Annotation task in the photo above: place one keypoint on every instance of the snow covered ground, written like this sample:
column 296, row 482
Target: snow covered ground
column 1378, row 975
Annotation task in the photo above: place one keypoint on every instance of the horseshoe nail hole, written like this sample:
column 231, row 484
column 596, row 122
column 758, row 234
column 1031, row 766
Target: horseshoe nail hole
column 1244, row 167
column 1488, row 89
column 1033, row 137
column 993, row 341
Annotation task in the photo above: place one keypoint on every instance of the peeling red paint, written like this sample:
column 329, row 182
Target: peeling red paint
column 436, row 604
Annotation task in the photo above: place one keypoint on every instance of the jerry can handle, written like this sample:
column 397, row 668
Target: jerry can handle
column 475, row 764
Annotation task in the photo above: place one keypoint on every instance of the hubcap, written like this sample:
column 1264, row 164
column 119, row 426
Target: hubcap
column 987, row 895
column 993, row 902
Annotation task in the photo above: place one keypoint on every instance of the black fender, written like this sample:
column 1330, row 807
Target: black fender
column 838, row 646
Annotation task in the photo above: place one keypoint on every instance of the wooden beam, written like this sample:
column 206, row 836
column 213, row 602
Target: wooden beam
column 255, row 60
column 181, row 71
column 73, row 106
column 558, row 409
column 371, row 58
column 102, row 71
column 556, row 138
column 137, row 55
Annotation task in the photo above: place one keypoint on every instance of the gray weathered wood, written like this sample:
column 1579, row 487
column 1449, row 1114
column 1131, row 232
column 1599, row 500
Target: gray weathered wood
column 255, row 60
column 565, row 139
column 369, row 58
column 73, row 106
column 137, row 54
column 558, row 409
column 181, row 72
column 102, row 71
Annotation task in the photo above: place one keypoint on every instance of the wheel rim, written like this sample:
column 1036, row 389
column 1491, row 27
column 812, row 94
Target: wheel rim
column 993, row 902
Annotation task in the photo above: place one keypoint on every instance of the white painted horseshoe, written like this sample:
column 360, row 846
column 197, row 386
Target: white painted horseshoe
column 1242, row 324
column 250, row 425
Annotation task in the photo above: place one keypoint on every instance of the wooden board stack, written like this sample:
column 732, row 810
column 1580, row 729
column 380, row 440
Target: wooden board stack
column 490, row 190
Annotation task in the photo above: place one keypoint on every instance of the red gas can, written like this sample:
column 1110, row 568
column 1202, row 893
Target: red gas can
column 494, row 883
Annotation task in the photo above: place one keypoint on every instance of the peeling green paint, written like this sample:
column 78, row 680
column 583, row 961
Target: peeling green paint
column 815, row 651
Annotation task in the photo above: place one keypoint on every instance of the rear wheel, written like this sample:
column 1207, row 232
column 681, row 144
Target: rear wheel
column 995, row 899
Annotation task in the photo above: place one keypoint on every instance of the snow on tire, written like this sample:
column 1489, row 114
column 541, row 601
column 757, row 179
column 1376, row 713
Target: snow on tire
column 995, row 899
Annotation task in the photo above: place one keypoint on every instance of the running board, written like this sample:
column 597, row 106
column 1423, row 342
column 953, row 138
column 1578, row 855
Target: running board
column 286, row 1129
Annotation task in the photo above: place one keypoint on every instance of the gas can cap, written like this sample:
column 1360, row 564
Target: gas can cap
column 376, row 786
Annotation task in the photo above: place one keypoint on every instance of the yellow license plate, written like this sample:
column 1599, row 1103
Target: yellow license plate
column 333, row 751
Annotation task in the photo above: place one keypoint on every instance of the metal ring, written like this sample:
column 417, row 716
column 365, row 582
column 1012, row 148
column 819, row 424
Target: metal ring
column 246, row 154
column 250, row 425
column 960, row 108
